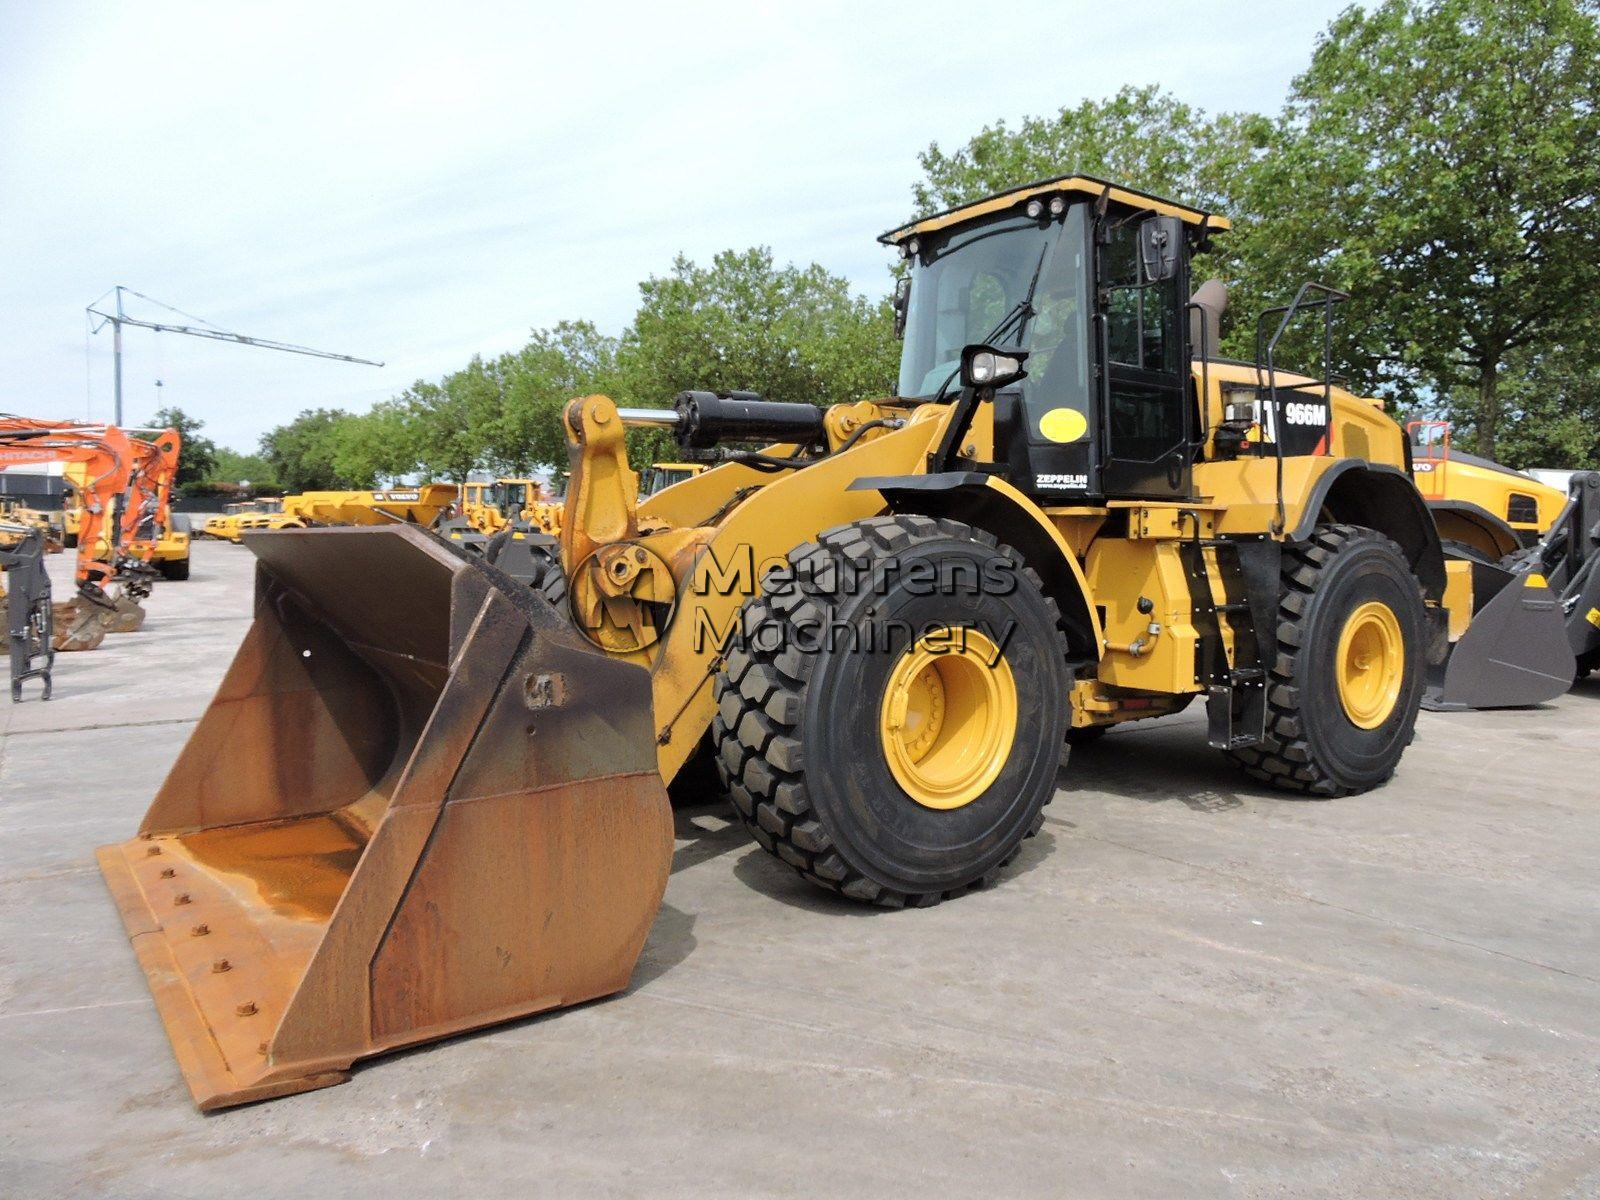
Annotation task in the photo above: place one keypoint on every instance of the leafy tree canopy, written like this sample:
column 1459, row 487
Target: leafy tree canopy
column 197, row 459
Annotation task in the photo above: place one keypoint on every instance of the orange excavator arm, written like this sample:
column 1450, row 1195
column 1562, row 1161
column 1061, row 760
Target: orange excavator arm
column 108, row 458
column 148, row 514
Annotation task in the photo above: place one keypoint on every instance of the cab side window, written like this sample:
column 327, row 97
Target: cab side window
column 1141, row 321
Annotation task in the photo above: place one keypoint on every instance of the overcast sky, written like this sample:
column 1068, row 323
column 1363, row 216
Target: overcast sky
column 418, row 184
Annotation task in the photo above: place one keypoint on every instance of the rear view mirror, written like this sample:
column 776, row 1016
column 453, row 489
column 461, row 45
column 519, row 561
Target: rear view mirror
column 1159, row 239
column 901, row 304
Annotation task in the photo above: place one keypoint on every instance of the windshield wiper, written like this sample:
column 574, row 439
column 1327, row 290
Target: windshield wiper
column 1018, row 315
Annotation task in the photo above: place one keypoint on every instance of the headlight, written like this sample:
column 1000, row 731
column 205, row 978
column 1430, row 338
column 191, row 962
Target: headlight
column 986, row 367
column 1241, row 412
column 1034, row 209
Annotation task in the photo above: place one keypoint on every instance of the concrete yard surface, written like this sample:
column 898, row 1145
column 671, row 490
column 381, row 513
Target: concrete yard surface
column 1186, row 986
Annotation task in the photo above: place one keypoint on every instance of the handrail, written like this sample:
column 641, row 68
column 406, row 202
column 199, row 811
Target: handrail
column 1329, row 297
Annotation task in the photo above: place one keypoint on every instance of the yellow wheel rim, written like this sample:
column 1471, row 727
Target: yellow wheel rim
column 949, row 717
column 1370, row 663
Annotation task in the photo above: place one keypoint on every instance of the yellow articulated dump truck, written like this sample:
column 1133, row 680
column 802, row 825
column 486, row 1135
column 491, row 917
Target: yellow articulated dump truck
column 419, row 505
column 425, row 798
column 242, row 514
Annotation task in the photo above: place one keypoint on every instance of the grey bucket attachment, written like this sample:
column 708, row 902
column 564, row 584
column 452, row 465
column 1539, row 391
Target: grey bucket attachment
column 1514, row 654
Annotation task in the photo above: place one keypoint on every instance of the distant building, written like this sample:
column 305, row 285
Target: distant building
column 40, row 485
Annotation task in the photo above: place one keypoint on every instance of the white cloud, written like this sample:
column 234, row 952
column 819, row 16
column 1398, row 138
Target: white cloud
column 417, row 184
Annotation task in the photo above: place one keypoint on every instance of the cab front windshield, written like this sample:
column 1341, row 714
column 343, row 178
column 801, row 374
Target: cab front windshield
column 511, row 497
column 974, row 286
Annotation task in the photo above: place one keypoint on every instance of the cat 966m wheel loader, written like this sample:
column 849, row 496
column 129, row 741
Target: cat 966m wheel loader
column 426, row 799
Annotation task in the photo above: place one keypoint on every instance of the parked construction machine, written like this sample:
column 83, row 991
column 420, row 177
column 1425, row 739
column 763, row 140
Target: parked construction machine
column 227, row 525
column 99, row 462
column 1568, row 558
column 662, row 475
column 419, row 505
column 14, row 512
column 1481, row 507
column 424, row 799
column 512, row 522
column 26, row 614
column 151, row 534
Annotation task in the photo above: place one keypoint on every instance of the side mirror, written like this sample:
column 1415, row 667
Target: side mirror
column 901, row 304
column 1159, row 240
column 986, row 368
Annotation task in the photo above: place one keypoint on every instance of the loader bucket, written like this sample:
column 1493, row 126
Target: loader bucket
column 79, row 624
column 418, row 804
column 126, row 614
column 1513, row 654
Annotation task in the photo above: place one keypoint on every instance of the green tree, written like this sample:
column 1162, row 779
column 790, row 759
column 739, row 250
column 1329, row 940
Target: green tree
column 790, row 333
column 572, row 359
column 377, row 446
column 1439, row 161
column 197, row 458
column 301, row 453
column 1142, row 137
column 1550, row 410
column 450, row 420
column 233, row 467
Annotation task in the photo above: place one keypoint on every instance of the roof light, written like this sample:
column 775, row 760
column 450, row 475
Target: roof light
column 1058, row 205
column 1034, row 209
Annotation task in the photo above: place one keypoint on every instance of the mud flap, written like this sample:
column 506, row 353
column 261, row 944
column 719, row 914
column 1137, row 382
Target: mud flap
column 1513, row 654
column 418, row 804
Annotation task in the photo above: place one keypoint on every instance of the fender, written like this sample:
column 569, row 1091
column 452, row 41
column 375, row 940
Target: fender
column 991, row 504
column 1384, row 498
column 1453, row 518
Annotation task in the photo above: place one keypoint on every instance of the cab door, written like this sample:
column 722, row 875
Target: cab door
column 1145, row 433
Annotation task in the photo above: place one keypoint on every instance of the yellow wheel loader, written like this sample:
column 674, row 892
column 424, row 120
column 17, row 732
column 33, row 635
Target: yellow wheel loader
column 509, row 522
column 1479, row 505
column 426, row 799
column 663, row 475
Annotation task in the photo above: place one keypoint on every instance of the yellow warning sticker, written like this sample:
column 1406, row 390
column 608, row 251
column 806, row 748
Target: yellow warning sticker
column 1593, row 617
column 1536, row 580
column 1064, row 425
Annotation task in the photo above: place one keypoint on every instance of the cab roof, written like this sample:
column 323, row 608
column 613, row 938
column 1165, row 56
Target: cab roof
column 1083, row 185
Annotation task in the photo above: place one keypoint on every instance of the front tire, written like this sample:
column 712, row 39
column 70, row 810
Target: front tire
column 867, row 762
column 1343, row 695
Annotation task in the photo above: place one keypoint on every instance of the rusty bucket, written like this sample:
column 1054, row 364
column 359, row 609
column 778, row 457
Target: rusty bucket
column 418, row 804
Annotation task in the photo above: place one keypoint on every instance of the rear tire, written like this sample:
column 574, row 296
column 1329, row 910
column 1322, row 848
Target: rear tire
column 176, row 570
column 1313, row 745
column 802, row 737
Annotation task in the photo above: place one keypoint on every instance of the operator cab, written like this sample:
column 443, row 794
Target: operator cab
column 1090, row 283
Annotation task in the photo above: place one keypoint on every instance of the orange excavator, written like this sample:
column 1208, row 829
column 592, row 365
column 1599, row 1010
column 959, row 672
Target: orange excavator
column 148, row 532
column 108, row 592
